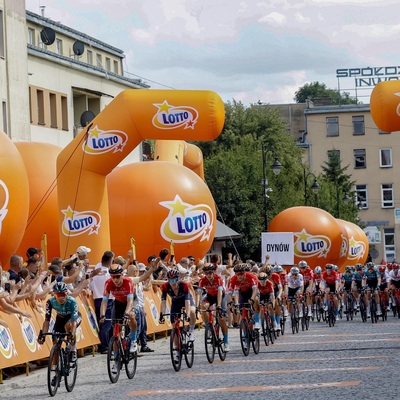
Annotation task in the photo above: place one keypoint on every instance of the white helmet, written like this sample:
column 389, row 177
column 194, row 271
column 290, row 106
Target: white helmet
column 294, row 270
column 303, row 263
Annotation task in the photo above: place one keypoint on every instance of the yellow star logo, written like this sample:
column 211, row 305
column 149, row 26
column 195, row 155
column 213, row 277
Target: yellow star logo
column 69, row 213
column 353, row 242
column 177, row 206
column 164, row 107
column 303, row 235
column 95, row 132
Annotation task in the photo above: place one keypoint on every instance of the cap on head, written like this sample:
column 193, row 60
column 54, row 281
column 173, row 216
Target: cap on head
column 32, row 251
column 54, row 268
column 83, row 250
column 141, row 267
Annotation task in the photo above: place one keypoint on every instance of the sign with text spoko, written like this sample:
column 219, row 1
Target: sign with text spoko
column 279, row 246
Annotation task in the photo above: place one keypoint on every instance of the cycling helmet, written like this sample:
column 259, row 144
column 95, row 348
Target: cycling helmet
column 278, row 268
column 370, row 265
column 247, row 267
column 268, row 269
column 395, row 266
column 173, row 274
column 359, row 266
column 318, row 270
column 294, row 270
column 262, row 277
column 335, row 267
column 209, row 267
column 240, row 267
column 60, row 287
column 115, row 269
column 348, row 268
column 303, row 264
column 382, row 268
column 329, row 266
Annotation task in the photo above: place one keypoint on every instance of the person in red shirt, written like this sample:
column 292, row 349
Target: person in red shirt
column 276, row 282
column 330, row 282
column 123, row 290
column 308, row 277
column 213, row 285
column 267, row 295
column 244, row 286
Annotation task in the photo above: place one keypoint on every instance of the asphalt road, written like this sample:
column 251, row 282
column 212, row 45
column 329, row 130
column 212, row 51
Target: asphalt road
column 353, row 360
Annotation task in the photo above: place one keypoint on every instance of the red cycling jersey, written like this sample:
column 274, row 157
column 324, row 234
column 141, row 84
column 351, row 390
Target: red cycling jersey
column 308, row 275
column 284, row 278
column 330, row 279
column 249, row 282
column 211, row 287
column 120, row 293
column 275, row 279
column 267, row 288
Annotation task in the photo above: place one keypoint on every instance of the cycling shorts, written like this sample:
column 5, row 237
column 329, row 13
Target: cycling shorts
column 59, row 325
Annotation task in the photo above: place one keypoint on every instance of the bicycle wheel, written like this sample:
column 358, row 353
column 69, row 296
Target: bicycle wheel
column 303, row 317
column 114, row 359
column 271, row 331
column 130, row 360
column 54, row 371
column 283, row 321
column 188, row 346
column 255, row 340
column 244, row 337
column 293, row 321
column 264, row 330
column 209, row 343
column 71, row 374
column 363, row 311
column 175, row 346
column 220, row 342
column 373, row 312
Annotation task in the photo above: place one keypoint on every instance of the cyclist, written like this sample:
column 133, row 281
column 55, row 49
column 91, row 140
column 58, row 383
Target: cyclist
column 180, row 295
column 330, row 283
column 295, row 286
column 394, row 276
column 358, row 282
column 317, row 284
column 276, row 280
column 68, row 317
column 267, row 296
column 213, row 284
column 347, row 283
column 245, row 286
column 308, row 278
column 123, row 290
column 384, row 282
column 372, row 281
column 283, row 276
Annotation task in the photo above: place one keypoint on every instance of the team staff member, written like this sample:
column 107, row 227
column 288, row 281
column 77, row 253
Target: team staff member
column 123, row 290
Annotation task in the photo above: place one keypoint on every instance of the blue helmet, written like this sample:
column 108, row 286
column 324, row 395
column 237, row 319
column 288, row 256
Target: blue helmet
column 60, row 287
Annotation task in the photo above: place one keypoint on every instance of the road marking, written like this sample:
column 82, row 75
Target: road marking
column 246, row 388
column 358, row 334
column 337, row 341
column 282, row 371
column 297, row 359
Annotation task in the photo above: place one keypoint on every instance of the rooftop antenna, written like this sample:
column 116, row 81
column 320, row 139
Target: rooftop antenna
column 41, row 8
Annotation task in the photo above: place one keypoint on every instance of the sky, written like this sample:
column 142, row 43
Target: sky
column 245, row 50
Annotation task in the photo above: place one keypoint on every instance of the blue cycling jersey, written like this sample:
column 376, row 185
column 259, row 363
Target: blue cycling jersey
column 68, row 309
column 347, row 277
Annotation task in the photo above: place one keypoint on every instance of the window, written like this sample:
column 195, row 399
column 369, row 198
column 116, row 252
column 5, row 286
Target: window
column 387, row 195
column 40, row 106
column 389, row 242
column 385, row 156
column 362, row 196
column 332, row 126
column 358, row 125
column 2, row 50
column 108, row 64
column 360, row 160
column 4, row 112
column 53, row 110
column 99, row 61
column 64, row 113
column 31, row 36
column 116, row 69
column 89, row 57
column 59, row 47
column 334, row 157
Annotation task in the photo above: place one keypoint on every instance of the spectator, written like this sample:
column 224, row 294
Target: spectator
column 16, row 262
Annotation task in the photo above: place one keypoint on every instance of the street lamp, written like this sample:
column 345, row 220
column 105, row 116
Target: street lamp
column 276, row 168
column 314, row 187
column 345, row 200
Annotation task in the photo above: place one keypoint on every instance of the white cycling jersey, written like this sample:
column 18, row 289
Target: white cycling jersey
column 295, row 281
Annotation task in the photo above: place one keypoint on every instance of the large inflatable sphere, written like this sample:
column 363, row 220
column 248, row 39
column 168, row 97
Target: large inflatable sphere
column 358, row 243
column 156, row 203
column 317, row 235
column 40, row 162
column 14, row 199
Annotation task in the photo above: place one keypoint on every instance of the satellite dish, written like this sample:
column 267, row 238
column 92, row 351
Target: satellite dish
column 374, row 253
column 78, row 48
column 48, row 36
column 86, row 118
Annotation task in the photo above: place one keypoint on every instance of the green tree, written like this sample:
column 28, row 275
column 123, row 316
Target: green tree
column 234, row 171
column 316, row 90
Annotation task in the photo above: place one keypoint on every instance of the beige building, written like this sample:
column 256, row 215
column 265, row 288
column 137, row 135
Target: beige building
column 54, row 79
column 369, row 153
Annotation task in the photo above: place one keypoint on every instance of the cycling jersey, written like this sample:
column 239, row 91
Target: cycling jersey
column 308, row 275
column 284, row 278
column 346, row 277
column 295, row 281
column 211, row 287
column 183, row 292
column 267, row 288
column 247, row 284
column 68, row 310
column 394, row 277
column 331, row 278
column 121, row 293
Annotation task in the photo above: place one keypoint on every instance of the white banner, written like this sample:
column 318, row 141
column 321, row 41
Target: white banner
column 279, row 246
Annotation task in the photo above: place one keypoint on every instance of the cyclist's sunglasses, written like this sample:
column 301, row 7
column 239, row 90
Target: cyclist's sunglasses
column 63, row 294
column 175, row 280
column 239, row 273
column 115, row 276
column 208, row 272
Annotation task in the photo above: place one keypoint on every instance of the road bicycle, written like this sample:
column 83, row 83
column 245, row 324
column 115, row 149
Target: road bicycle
column 119, row 352
column 383, row 297
column 349, row 305
column 283, row 318
column 373, row 308
column 60, row 364
column 305, row 319
column 363, row 307
column 395, row 295
column 180, row 345
column 268, row 332
column 318, row 308
column 294, row 315
column 213, row 336
column 330, row 313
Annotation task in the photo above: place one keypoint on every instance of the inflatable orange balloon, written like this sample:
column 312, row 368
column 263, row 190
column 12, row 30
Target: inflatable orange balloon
column 385, row 106
column 14, row 199
column 358, row 243
column 342, row 262
column 317, row 235
column 40, row 162
column 157, row 202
